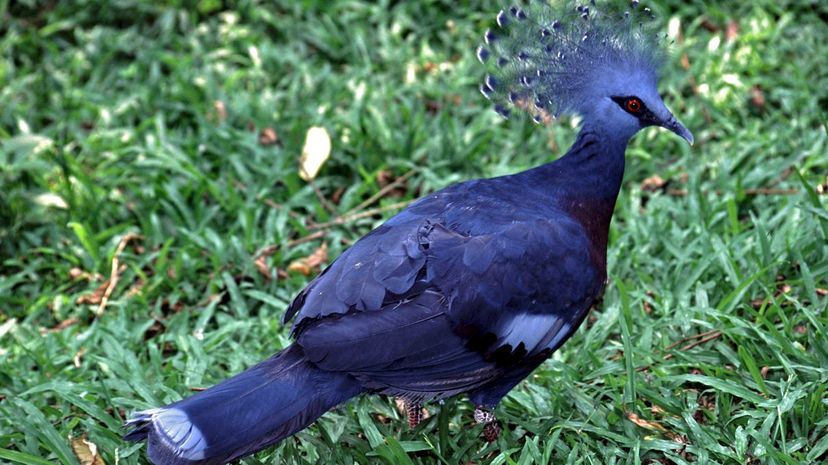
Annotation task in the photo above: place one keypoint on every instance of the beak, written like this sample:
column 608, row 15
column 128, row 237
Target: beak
column 675, row 126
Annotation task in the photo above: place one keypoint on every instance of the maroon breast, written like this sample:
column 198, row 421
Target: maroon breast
column 594, row 215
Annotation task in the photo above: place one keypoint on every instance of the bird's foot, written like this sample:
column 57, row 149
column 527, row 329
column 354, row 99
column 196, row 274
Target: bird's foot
column 413, row 410
column 491, row 428
column 415, row 413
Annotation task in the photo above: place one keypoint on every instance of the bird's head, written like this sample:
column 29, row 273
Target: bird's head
column 602, row 66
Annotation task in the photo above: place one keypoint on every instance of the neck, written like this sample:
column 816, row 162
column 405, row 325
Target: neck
column 585, row 183
column 592, row 169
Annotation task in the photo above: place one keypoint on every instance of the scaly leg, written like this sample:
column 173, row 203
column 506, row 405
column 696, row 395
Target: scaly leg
column 491, row 430
column 415, row 413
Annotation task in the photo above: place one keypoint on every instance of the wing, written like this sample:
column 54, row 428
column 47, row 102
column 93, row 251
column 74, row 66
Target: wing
column 528, row 285
column 441, row 299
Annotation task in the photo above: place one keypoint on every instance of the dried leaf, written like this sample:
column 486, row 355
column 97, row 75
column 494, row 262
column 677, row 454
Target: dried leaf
column 86, row 451
column 336, row 197
column 63, row 325
column 678, row 438
column 95, row 297
column 51, row 200
column 219, row 113
column 307, row 265
column 710, row 25
column 645, row 423
column 268, row 136
column 732, row 31
column 685, row 62
column 261, row 265
column 653, row 183
column 136, row 288
column 757, row 97
column 391, row 185
column 76, row 360
column 316, row 151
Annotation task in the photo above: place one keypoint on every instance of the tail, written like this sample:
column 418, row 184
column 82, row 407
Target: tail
column 243, row 414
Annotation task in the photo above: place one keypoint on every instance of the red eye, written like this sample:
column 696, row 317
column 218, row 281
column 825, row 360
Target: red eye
column 633, row 105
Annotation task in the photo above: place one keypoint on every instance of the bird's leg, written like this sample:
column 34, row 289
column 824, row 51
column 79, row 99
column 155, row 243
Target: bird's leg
column 491, row 429
column 415, row 413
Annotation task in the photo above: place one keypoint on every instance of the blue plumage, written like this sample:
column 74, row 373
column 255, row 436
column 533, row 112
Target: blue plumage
column 470, row 288
column 556, row 59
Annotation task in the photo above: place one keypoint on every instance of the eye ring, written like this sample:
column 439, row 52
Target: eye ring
column 633, row 105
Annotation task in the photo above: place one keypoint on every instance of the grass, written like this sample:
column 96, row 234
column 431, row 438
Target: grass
column 709, row 347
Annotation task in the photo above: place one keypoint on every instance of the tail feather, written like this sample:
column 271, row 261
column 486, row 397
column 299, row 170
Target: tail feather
column 243, row 414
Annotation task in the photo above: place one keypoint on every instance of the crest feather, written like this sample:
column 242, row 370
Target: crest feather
column 549, row 59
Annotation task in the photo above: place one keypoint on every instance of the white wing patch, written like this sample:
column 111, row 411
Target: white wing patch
column 174, row 427
column 536, row 331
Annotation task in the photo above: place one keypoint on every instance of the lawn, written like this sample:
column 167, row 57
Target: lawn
column 154, row 225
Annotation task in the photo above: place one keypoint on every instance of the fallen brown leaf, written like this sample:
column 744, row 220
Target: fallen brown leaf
column 645, row 423
column 685, row 61
column 391, row 185
column 732, row 31
column 86, row 451
column 268, row 136
column 307, row 265
column 337, row 195
column 78, row 273
column 63, row 325
column 262, row 267
column 76, row 360
column 95, row 297
column 653, row 183
column 709, row 25
column 757, row 97
column 219, row 113
column 136, row 288
column 116, row 270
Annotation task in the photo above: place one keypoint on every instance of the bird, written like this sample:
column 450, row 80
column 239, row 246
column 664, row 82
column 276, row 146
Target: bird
column 470, row 288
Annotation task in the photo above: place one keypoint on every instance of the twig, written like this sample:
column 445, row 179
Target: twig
column 358, row 215
column 310, row 237
column 381, row 193
column 712, row 335
column 114, row 274
column 756, row 191
column 690, row 338
column 279, row 206
column 700, row 339
column 271, row 249
column 325, row 203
